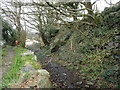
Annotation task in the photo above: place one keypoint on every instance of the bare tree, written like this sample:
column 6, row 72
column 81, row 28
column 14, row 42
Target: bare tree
column 42, row 15
column 13, row 11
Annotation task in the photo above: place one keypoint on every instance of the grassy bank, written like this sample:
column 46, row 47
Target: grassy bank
column 18, row 62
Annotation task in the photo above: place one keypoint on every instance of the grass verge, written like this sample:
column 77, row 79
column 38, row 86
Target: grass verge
column 18, row 62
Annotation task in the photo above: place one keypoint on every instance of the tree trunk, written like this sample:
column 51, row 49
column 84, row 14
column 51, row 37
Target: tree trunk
column 21, row 32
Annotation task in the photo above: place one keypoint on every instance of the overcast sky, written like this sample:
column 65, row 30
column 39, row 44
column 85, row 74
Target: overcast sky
column 101, row 4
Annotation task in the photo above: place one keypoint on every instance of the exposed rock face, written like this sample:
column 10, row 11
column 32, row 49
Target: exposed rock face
column 33, row 79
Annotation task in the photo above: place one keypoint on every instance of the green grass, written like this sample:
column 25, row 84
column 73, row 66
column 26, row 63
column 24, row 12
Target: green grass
column 13, row 73
column 4, row 52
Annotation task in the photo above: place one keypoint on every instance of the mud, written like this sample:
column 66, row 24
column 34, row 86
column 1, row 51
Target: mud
column 62, row 76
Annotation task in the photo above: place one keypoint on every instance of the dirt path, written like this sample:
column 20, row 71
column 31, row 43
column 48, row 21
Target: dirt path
column 7, row 60
column 61, row 75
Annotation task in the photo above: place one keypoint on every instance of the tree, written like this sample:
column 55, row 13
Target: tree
column 43, row 16
column 13, row 11
column 8, row 33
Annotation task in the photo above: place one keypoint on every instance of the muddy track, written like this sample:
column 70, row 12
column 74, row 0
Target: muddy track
column 63, row 77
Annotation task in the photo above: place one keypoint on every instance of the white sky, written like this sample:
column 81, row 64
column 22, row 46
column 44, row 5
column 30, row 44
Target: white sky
column 101, row 4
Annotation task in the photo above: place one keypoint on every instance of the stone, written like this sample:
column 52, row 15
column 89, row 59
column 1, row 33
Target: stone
column 89, row 83
column 79, row 83
column 38, row 79
column 64, row 74
column 34, row 58
column 43, row 71
column 44, row 81
column 27, row 53
column 28, row 68
column 86, row 86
